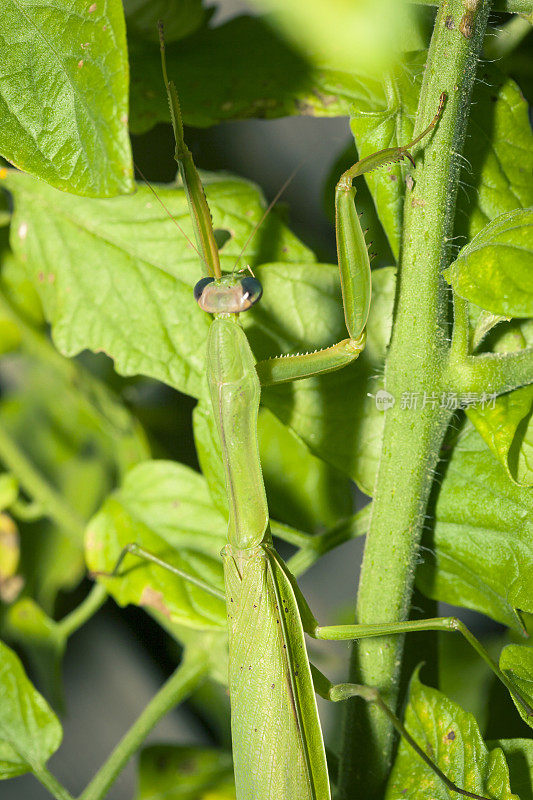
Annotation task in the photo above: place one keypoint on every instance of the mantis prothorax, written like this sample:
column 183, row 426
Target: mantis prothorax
column 278, row 748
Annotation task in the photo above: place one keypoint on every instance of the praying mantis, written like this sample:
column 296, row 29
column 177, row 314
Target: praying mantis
column 278, row 748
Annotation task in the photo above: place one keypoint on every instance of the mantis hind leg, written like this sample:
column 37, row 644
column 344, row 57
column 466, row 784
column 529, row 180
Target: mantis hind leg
column 344, row 691
column 446, row 624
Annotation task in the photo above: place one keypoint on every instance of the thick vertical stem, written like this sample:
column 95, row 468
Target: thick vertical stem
column 414, row 370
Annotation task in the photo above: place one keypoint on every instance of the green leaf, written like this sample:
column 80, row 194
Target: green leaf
column 165, row 508
column 465, row 677
column 29, row 730
column 519, row 756
column 479, row 555
column 20, row 291
column 240, row 69
column 173, row 772
column 507, row 428
column 495, row 270
column 130, row 296
column 180, row 18
column 452, row 738
column 498, row 154
column 64, row 96
column 517, row 661
column 207, row 443
column 27, row 625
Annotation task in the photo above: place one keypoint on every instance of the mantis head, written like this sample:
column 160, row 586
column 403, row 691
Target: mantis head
column 229, row 294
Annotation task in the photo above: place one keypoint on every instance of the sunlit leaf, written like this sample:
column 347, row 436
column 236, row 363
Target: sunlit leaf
column 165, row 508
column 103, row 288
column 64, row 94
column 495, row 270
column 451, row 737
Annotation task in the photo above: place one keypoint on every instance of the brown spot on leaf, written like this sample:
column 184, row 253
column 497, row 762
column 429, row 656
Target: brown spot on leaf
column 449, row 22
column 92, row 8
column 149, row 597
column 40, row 277
column 450, row 735
column 80, row 63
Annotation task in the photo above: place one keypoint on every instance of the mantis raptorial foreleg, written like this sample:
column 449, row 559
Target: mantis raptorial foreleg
column 354, row 268
column 277, row 741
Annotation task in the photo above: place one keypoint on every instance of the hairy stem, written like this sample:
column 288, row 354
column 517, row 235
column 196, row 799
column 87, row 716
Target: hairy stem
column 416, row 366
column 511, row 6
column 180, row 684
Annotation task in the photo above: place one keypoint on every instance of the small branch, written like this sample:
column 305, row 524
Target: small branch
column 51, row 783
column 179, row 686
column 27, row 512
column 31, row 480
column 493, row 373
column 459, row 347
column 289, row 534
column 86, row 609
column 317, row 546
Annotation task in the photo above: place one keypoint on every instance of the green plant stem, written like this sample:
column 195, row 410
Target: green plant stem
column 86, row 609
column 31, row 480
column 180, row 684
column 51, row 783
column 317, row 546
column 511, row 6
column 416, row 363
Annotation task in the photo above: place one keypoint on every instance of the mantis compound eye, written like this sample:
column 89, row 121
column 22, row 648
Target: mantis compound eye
column 227, row 295
column 200, row 286
column 252, row 291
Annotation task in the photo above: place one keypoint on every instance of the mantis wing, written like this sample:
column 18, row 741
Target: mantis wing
column 278, row 749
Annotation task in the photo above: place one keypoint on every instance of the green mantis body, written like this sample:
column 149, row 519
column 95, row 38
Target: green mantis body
column 269, row 669
column 278, row 748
